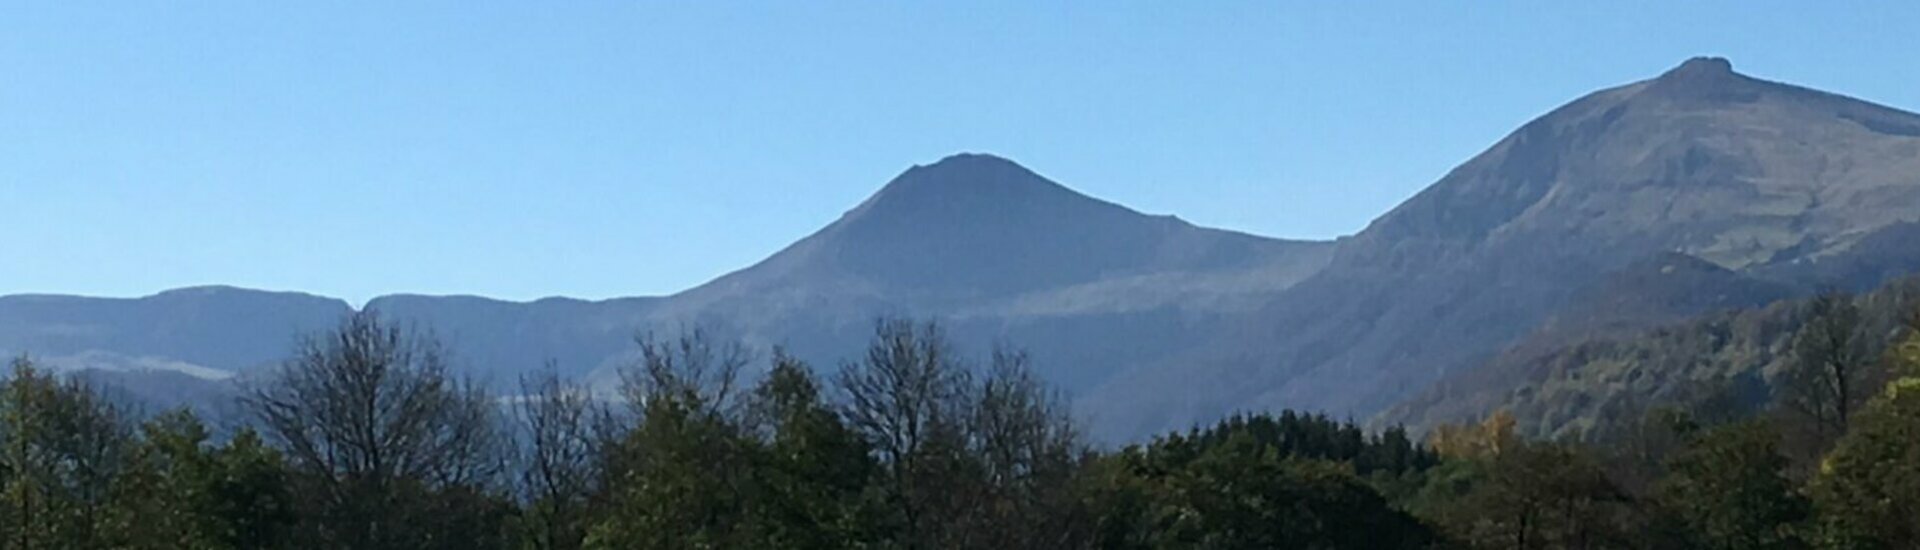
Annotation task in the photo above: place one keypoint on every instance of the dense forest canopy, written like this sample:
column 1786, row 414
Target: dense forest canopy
column 367, row 438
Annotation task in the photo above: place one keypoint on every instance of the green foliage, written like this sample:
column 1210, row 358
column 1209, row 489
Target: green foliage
column 1316, row 436
column 64, row 448
column 1829, row 368
column 1234, row 491
column 1237, row 496
column 1729, row 489
column 1868, row 489
column 815, row 470
column 681, row 477
column 183, row 492
column 1719, row 367
column 77, row 475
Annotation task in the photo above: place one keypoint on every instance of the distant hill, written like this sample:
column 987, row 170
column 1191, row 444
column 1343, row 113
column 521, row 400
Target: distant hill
column 1700, row 190
column 204, row 331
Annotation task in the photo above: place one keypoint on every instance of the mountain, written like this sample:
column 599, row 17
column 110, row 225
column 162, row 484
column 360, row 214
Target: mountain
column 996, row 252
column 208, row 332
column 1750, row 175
column 1000, row 253
column 1696, row 191
column 975, row 228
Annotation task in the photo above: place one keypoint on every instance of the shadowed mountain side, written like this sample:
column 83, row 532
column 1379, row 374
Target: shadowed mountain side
column 1666, row 288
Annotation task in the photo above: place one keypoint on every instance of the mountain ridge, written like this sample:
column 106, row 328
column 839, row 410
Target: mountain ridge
column 1157, row 323
column 979, row 241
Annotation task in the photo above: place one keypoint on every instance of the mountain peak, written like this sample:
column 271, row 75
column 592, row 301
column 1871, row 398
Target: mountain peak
column 965, row 160
column 1707, row 78
column 969, row 183
column 1701, row 67
column 971, row 173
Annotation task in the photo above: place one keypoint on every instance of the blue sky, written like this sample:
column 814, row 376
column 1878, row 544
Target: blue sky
column 592, row 149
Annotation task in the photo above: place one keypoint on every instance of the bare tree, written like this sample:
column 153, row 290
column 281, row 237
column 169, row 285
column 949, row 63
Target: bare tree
column 372, row 416
column 1030, row 451
column 1022, row 426
column 908, row 400
column 560, row 467
column 693, row 369
column 1829, row 363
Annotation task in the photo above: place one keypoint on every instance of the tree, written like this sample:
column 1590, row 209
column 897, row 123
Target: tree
column 1730, row 490
column 1540, row 495
column 815, row 469
column 253, row 493
column 1240, row 493
column 559, row 460
column 1488, row 439
column 183, row 492
column 907, row 400
column 1868, row 489
column 64, row 447
column 681, row 477
column 163, row 500
column 1029, row 452
column 1828, row 365
column 390, row 446
column 560, row 470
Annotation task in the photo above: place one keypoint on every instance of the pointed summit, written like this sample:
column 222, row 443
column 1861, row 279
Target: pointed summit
column 966, row 189
column 973, row 225
column 961, row 162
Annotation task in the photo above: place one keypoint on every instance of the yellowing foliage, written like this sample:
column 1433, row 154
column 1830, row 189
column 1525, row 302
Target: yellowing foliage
column 1485, row 440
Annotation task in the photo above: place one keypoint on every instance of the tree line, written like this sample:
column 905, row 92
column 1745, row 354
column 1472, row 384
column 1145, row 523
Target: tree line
column 367, row 437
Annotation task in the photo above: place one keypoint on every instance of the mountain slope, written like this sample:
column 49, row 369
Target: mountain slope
column 998, row 252
column 1744, row 173
column 1721, row 363
column 977, row 227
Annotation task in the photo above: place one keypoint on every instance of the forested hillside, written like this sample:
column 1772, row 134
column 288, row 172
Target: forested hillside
column 1727, row 364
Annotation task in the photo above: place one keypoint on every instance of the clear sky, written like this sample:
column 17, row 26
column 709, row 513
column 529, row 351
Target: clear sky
column 590, row 149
